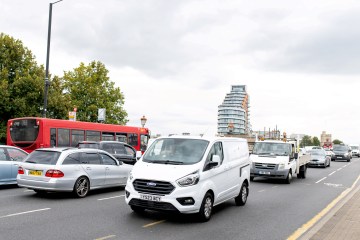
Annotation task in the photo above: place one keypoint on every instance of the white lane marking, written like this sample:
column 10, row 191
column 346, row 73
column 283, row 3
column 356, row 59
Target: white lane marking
column 107, row 237
column 29, row 190
column 339, row 169
column 321, row 179
column 21, row 213
column 333, row 185
column 332, row 173
column 101, row 199
column 262, row 190
column 275, row 186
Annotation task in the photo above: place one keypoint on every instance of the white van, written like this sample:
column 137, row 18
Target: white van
column 190, row 175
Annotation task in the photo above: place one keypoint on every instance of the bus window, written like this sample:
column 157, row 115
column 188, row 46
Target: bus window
column 92, row 136
column 121, row 137
column 52, row 137
column 107, row 136
column 143, row 142
column 63, row 137
column 133, row 139
column 76, row 137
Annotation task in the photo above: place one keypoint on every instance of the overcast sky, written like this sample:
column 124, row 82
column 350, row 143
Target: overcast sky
column 175, row 60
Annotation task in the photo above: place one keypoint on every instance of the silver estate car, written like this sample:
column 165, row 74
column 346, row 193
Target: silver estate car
column 71, row 170
column 10, row 157
column 319, row 158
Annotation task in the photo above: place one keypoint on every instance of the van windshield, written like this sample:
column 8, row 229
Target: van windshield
column 272, row 148
column 176, row 151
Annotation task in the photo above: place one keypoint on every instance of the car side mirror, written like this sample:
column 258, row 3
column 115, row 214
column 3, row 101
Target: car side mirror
column 296, row 155
column 138, row 155
column 119, row 162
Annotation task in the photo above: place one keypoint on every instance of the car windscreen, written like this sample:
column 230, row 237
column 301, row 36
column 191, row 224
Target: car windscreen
column 89, row 145
column 176, row 151
column 43, row 157
column 354, row 147
column 340, row 148
column 317, row 152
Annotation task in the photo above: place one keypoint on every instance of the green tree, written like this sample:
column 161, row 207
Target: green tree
column 21, row 82
column 59, row 103
column 337, row 141
column 89, row 89
column 306, row 141
column 316, row 141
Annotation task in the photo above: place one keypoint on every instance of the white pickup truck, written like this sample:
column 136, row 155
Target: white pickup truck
column 277, row 159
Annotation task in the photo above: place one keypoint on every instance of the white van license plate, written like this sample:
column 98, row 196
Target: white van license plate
column 265, row 173
column 150, row 198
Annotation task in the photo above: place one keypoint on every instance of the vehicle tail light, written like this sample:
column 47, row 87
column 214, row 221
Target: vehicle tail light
column 20, row 170
column 54, row 173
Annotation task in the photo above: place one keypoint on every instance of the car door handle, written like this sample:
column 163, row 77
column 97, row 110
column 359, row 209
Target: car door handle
column 88, row 168
column 107, row 168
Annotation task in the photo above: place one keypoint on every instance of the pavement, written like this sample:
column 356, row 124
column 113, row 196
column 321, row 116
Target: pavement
column 340, row 220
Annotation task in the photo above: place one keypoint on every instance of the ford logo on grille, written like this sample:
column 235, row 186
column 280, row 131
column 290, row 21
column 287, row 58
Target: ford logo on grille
column 151, row 184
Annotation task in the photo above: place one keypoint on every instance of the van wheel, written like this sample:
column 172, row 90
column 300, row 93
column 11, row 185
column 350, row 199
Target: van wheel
column 81, row 187
column 137, row 209
column 289, row 177
column 206, row 208
column 240, row 200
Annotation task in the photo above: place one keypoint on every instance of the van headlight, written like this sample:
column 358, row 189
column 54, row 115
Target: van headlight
column 189, row 180
column 281, row 166
column 130, row 177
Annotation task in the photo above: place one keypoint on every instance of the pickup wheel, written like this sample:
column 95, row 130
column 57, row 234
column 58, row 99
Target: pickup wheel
column 240, row 200
column 289, row 177
column 251, row 178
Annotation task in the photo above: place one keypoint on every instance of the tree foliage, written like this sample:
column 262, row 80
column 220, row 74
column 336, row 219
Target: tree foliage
column 316, row 141
column 306, row 141
column 22, row 89
column 21, row 82
column 337, row 141
column 89, row 89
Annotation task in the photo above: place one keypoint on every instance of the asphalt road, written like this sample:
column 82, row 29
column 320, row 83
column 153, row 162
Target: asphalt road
column 274, row 211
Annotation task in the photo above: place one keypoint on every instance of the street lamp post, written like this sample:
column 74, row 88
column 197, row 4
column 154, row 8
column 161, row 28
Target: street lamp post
column 143, row 121
column 47, row 82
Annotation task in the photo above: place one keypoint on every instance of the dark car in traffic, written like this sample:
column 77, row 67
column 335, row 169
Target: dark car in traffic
column 120, row 150
column 342, row 152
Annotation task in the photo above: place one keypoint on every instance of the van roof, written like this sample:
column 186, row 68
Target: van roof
column 208, row 138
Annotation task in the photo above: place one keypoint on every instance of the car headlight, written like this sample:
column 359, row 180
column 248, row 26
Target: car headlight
column 345, row 154
column 189, row 180
column 281, row 166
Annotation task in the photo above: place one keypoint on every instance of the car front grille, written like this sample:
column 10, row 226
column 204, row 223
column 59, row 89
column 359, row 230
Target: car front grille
column 163, row 206
column 153, row 187
column 265, row 165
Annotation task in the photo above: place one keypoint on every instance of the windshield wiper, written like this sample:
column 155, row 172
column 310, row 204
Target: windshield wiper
column 168, row 162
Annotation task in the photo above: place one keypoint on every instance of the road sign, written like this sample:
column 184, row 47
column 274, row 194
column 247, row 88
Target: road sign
column 72, row 116
column 101, row 114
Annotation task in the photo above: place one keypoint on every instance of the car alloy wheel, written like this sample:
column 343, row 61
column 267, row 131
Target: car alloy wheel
column 241, row 199
column 206, row 208
column 81, row 187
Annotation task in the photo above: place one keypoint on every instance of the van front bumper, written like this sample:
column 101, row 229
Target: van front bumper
column 168, row 202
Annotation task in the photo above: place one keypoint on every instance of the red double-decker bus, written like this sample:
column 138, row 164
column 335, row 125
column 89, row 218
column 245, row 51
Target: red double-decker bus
column 30, row 133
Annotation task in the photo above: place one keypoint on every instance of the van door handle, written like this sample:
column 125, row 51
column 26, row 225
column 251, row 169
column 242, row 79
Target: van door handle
column 107, row 168
column 88, row 168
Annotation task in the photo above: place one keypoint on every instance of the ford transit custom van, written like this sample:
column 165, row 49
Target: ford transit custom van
column 190, row 175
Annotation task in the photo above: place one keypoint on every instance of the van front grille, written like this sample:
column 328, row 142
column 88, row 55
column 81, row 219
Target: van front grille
column 153, row 187
column 265, row 165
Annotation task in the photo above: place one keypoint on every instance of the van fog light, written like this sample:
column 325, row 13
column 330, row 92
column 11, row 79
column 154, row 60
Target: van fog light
column 127, row 194
column 186, row 201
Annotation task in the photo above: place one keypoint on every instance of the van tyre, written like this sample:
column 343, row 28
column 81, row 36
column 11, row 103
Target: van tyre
column 206, row 208
column 81, row 187
column 240, row 200
column 289, row 178
column 137, row 209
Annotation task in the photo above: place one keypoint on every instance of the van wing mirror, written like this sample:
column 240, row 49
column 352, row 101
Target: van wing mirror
column 296, row 155
column 215, row 161
column 138, row 155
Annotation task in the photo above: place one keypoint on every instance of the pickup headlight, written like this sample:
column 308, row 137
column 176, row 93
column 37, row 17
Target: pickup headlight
column 189, row 180
column 281, row 166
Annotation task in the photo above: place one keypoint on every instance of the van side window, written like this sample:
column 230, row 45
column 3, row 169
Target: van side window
column 216, row 149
